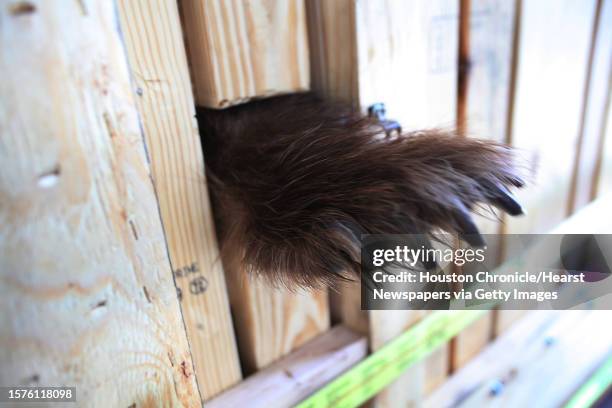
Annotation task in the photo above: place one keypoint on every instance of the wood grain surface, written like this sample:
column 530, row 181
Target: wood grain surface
column 162, row 89
column 86, row 286
column 239, row 50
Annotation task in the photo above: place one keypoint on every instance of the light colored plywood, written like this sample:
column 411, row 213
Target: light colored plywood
column 548, row 104
column 486, row 56
column 491, row 31
column 589, row 147
column 239, row 50
column 160, row 78
column 293, row 378
column 86, row 286
column 547, row 109
column 407, row 58
column 271, row 322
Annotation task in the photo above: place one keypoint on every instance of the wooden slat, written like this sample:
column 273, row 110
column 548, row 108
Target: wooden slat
column 547, row 109
column 239, row 50
column 527, row 360
column 407, row 58
column 589, row 146
column 485, row 69
column 271, row 322
column 293, row 378
column 604, row 173
column 548, row 104
column 160, row 77
column 333, row 49
column 86, row 287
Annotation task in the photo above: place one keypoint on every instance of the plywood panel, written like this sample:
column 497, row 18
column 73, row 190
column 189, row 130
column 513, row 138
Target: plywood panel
column 592, row 132
column 160, row 76
column 86, row 286
column 548, row 104
column 239, row 50
column 547, row 110
column 407, row 58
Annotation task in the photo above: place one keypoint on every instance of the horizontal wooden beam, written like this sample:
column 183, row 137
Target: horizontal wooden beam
column 296, row 376
column 239, row 50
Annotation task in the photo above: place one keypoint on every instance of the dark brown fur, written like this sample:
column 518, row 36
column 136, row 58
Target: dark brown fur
column 296, row 181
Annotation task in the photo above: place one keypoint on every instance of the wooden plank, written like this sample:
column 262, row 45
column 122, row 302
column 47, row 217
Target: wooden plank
column 333, row 49
column 597, row 94
column 239, row 50
column 293, row 378
column 545, row 121
column 548, row 104
column 485, row 76
column 86, row 287
column 160, row 76
column 523, row 365
column 604, row 173
column 407, row 58
column 271, row 322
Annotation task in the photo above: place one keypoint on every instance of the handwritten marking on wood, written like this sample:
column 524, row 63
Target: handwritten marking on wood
column 160, row 76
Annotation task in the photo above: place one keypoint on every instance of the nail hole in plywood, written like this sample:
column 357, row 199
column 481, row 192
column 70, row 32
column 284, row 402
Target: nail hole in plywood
column 21, row 8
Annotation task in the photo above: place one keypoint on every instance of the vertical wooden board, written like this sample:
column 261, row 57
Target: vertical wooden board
column 271, row 322
column 548, row 104
column 406, row 56
column 239, row 50
column 547, row 110
column 604, row 175
column 589, row 145
column 491, row 31
column 486, row 70
column 86, row 287
column 160, row 76
column 333, row 49
column 232, row 59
